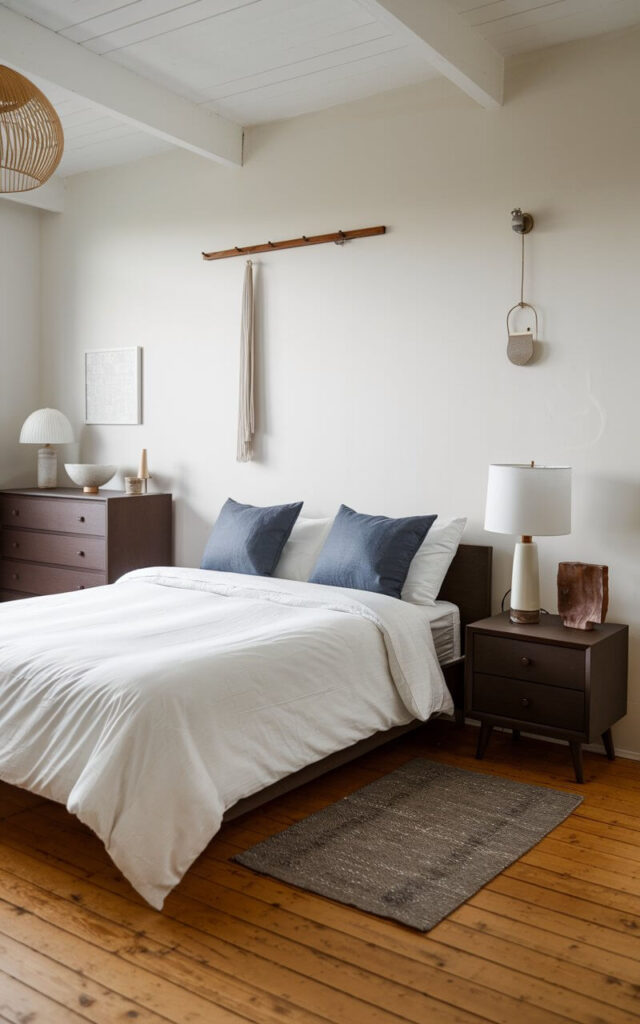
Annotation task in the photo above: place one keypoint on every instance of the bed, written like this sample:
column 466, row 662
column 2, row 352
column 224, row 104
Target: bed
column 156, row 707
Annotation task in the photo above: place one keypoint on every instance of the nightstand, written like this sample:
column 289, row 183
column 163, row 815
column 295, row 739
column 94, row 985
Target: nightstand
column 544, row 678
column 58, row 540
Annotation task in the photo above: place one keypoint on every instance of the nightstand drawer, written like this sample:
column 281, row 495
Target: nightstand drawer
column 53, row 514
column 46, row 579
column 55, row 548
column 553, row 706
column 520, row 659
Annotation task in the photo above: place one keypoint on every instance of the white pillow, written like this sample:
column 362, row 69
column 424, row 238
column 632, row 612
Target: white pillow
column 301, row 551
column 431, row 562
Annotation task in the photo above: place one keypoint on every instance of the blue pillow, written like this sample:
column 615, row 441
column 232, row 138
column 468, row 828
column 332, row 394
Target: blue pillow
column 370, row 552
column 249, row 539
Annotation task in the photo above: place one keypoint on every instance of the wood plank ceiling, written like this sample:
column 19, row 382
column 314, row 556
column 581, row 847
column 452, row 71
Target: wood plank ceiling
column 94, row 138
column 260, row 60
column 517, row 26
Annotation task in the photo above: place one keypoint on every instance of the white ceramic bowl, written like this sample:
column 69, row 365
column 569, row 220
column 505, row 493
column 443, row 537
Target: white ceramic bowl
column 89, row 476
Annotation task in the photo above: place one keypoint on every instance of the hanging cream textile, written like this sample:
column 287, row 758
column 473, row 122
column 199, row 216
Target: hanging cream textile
column 246, row 409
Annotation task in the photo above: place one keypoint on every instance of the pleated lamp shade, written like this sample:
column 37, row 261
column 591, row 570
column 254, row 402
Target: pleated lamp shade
column 46, row 426
column 31, row 137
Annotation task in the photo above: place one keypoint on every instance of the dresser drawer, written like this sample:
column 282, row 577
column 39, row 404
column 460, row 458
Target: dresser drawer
column 13, row 595
column 56, row 548
column 65, row 516
column 554, row 706
column 521, row 659
column 46, row 579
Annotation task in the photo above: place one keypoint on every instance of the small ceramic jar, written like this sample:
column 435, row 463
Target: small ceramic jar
column 133, row 485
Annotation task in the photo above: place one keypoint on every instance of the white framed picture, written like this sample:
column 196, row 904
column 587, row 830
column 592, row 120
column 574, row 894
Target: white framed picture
column 113, row 385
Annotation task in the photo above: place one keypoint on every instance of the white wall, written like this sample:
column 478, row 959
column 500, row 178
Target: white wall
column 19, row 337
column 383, row 377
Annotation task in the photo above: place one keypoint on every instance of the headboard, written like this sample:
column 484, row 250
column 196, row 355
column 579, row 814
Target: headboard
column 468, row 584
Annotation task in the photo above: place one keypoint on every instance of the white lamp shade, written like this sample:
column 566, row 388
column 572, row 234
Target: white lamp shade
column 46, row 426
column 532, row 501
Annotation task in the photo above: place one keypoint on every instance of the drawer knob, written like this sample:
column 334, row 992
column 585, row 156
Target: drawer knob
column 81, row 519
column 15, row 511
column 526, row 703
column 525, row 661
column 15, row 544
column 80, row 554
column 15, row 575
column 81, row 586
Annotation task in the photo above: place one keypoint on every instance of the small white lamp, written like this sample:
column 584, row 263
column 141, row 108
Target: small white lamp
column 46, row 427
column 533, row 501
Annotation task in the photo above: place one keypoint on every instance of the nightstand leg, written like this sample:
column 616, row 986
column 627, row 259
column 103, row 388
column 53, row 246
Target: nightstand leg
column 607, row 739
column 483, row 739
column 515, row 734
column 576, row 756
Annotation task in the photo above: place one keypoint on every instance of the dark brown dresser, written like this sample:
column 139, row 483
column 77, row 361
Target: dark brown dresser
column 54, row 541
column 544, row 678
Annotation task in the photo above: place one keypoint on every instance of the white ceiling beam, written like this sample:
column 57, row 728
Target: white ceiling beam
column 35, row 50
column 454, row 48
column 49, row 196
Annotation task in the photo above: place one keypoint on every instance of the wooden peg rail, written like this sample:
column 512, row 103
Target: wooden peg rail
column 339, row 237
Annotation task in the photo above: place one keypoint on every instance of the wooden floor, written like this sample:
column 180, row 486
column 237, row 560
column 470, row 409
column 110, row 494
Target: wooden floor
column 556, row 937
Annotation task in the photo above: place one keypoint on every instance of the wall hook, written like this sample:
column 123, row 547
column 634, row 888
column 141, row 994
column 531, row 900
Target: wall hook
column 339, row 237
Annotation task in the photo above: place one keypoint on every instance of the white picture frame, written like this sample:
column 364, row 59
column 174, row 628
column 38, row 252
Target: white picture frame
column 113, row 386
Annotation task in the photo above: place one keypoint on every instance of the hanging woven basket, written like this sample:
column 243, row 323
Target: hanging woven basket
column 31, row 137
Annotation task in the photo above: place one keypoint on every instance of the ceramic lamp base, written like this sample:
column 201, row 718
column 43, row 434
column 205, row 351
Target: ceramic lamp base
column 525, row 584
column 47, row 467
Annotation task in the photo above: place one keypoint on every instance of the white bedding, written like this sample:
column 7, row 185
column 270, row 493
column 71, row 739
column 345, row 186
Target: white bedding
column 444, row 619
column 152, row 706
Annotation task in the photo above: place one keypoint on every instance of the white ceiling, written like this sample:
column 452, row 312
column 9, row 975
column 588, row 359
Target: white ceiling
column 259, row 60
column 516, row 26
column 250, row 60
column 94, row 138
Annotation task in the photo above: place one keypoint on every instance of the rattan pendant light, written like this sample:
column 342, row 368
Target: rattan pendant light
column 31, row 138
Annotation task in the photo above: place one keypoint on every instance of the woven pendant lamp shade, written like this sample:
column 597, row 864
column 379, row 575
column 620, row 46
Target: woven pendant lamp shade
column 31, row 138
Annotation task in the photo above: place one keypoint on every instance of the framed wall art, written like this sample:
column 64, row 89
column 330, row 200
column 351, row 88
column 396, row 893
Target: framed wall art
column 113, row 385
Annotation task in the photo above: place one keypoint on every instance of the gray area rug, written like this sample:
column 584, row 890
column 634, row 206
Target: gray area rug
column 416, row 843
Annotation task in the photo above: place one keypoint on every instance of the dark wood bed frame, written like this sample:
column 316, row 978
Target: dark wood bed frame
column 467, row 584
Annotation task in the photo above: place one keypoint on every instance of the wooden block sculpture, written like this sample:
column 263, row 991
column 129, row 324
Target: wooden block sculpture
column 583, row 594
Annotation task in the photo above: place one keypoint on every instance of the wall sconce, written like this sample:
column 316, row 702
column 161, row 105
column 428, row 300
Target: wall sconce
column 521, row 223
column 520, row 344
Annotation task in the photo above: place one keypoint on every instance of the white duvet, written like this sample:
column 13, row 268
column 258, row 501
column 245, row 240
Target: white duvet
column 152, row 706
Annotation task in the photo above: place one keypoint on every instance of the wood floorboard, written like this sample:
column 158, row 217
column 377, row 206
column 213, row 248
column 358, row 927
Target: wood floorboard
column 20, row 1003
column 555, row 938
column 462, row 986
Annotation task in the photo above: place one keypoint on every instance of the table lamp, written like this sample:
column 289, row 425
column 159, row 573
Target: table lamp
column 533, row 501
column 46, row 427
